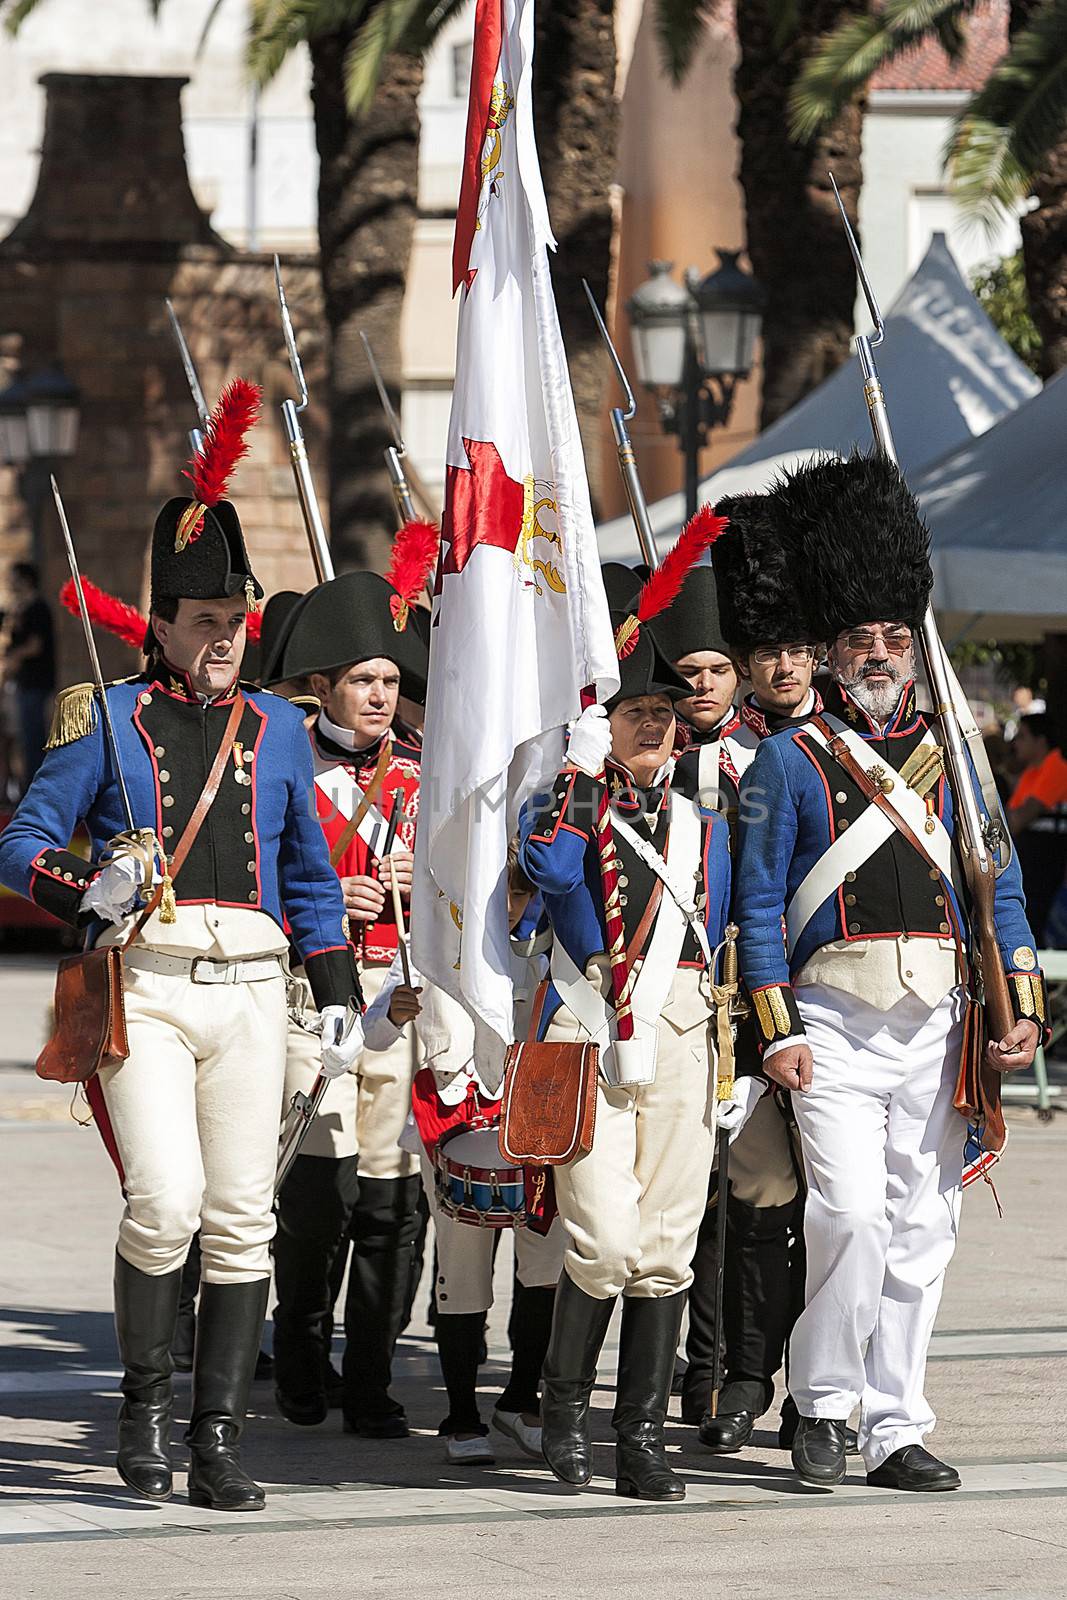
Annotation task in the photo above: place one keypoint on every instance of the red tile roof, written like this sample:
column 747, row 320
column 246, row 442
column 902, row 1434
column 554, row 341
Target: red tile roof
column 927, row 67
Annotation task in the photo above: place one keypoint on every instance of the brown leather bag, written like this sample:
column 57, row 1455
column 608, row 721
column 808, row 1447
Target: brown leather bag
column 977, row 1094
column 89, row 1021
column 548, row 1110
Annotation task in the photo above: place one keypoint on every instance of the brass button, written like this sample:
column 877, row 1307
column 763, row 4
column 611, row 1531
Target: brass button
column 159, row 750
column 886, row 786
column 249, row 837
column 840, row 797
column 853, row 927
column 250, row 866
column 164, row 776
column 843, row 823
column 555, row 813
column 934, row 874
column 623, row 880
column 168, row 832
column 909, row 973
column 145, row 699
column 850, row 877
column 168, row 799
column 929, row 824
column 939, row 899
column 623, row 900
column 68, row 876
column 850, row 899
column 251, row 894
column 943, row 927
column 245, row 809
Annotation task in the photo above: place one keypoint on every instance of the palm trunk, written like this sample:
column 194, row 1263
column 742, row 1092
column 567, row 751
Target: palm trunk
column 796, row 243
column 1044, row 234
column 368, row 197
column 576, row 116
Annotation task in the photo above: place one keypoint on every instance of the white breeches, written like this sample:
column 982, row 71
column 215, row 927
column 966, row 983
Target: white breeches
column 464, row 1280
column 883, row 1152
column 385, row 1079
column 195, row 1111
column 633, row 1205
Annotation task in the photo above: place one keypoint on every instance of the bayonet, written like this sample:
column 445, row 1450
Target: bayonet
column 631, row 482
column 403, row 478
column 983, row 838
column 298, row 456
column 196, row 435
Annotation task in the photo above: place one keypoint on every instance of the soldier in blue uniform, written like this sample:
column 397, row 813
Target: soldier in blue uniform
column 860, row 1008
column 192, row 1114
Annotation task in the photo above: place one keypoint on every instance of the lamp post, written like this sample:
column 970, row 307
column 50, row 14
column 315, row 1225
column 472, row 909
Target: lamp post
column 692, row 346
column 39, row 420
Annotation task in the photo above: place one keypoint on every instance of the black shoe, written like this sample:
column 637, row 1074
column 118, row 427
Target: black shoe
column 647, row 1347
column 729, row 1431
column 916, row 1469
column 306, row 1410
column 391, row 1425
column 227, row 1343
column 145, row 1311
column 819, row 1451
column 579, row 1324
column 787, row 1429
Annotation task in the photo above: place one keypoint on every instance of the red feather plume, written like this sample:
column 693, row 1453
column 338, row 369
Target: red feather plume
column 105, row 611
column 414, row 553
column 224, row 441
column 253, row 626
column 664, row 585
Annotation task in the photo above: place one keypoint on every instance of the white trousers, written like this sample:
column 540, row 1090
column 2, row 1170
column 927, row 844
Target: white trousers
column 883, row 1153
column 633, row 1205
column 465, row 1257
column 333, row 1132
column 385, row 1079
column 194, row 1110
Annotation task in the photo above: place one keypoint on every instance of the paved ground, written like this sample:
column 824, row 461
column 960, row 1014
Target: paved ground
column 348, row 1518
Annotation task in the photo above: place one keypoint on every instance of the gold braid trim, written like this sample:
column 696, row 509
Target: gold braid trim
column 625, row 634
column 188, row 522
column 74, row 716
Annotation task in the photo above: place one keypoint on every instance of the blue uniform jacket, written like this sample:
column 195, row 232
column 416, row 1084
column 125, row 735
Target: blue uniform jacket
column 558, row 853
column 260, row 847
column 794, row 801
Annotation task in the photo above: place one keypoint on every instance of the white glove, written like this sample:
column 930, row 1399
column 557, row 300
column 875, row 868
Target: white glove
column 590, row 742
column 342, row 1040
column 732, row 1114
column 112, row 894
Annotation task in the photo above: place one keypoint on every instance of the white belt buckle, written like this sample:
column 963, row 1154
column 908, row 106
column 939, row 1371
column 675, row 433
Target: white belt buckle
column 206, row 970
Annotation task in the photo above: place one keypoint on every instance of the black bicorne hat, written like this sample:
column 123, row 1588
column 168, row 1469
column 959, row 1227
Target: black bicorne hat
column 756, row 578
column 865, row 550
column 277, row 619
column 691, row 622
column 644, row 669
column 351, row 618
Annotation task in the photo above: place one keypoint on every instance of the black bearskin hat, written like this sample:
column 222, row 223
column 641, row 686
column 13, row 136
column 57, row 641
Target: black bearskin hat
column 756, row 579
column 864, row 548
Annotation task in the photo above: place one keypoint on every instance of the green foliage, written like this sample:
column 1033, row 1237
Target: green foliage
column 15, row 12
column 1000, row 289
column 1014, row 663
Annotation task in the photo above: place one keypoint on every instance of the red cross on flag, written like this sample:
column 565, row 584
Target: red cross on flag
column 520, row 622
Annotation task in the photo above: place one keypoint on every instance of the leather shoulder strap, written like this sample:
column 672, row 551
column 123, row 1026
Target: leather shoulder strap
column 199, row 812
column 869, row 789
column 374, row 789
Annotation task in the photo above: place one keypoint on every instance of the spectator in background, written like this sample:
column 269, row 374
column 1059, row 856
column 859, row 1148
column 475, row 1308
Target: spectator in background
column 1037, row 816
column 30, row 664
column 1025, row 704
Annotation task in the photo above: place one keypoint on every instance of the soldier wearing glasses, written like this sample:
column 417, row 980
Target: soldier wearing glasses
column 860, row 1009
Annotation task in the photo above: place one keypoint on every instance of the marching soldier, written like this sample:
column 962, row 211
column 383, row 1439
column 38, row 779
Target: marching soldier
column 222, row 773
column 861, row 1009
column 351, row 1180
column 631, row 1206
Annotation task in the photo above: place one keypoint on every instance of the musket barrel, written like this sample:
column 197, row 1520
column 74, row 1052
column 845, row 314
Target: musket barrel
column 305, row 489
column 405, row 505
column 635, row 495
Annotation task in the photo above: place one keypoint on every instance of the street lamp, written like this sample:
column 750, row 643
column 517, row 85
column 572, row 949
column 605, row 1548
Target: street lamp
column 39, row 420
column 692, row 346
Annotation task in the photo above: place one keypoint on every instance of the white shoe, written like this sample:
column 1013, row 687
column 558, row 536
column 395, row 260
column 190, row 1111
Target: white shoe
column 526, row 1436
column 477, row 1452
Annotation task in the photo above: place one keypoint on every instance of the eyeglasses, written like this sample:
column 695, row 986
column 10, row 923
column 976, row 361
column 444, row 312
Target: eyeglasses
column 797, row 653
column 896, row 642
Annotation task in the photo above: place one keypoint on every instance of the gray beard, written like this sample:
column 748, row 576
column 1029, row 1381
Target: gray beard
column 878, row 703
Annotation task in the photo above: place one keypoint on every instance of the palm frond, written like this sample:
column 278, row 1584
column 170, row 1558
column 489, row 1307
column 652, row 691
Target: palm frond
column 679, row 26
column 17, row 14
column 426, row 27
column 846, row 58
column 277, row 27
column 216, row 7
column 385, row 29
column 1007, row 129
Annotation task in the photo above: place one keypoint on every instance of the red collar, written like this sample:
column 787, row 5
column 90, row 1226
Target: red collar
column 178, row 685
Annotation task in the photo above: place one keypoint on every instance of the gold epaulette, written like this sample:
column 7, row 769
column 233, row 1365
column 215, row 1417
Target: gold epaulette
column 306, row 702
column 75, row 713
column 74, row 716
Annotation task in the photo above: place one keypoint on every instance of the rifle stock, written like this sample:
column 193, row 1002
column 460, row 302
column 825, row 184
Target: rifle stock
column 1000, row 1016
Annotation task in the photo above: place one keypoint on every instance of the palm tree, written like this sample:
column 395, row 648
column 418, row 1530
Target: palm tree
column 795, row 240
column 1008, row 142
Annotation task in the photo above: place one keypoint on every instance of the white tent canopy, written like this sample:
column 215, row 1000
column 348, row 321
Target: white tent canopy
column 948, row 377
column 997, row 511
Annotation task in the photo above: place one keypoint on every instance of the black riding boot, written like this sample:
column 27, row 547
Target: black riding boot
column 228, row 1330
column 531, row 1329
column 579, row 1324
column 146, row 1309
column 185, row 1331
column 314, row 1208
column 647, row 1349
column 383, row 1228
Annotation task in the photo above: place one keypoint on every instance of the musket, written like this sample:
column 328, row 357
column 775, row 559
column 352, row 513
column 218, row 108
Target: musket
column 727, row 994
column 403, row 477
column 302, row 1111
column 298, row 455
column 624, row 449
column 982, row 837
column 196, row 435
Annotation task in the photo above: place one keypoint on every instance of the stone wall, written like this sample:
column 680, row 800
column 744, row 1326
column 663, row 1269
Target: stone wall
column 110, row 233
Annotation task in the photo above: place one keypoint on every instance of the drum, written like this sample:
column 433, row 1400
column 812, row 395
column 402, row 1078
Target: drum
column 474, row 1184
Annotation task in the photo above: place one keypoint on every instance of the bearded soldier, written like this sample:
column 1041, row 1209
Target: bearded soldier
column 191, row 1115
column 351, row 1180
column 860, row 1011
